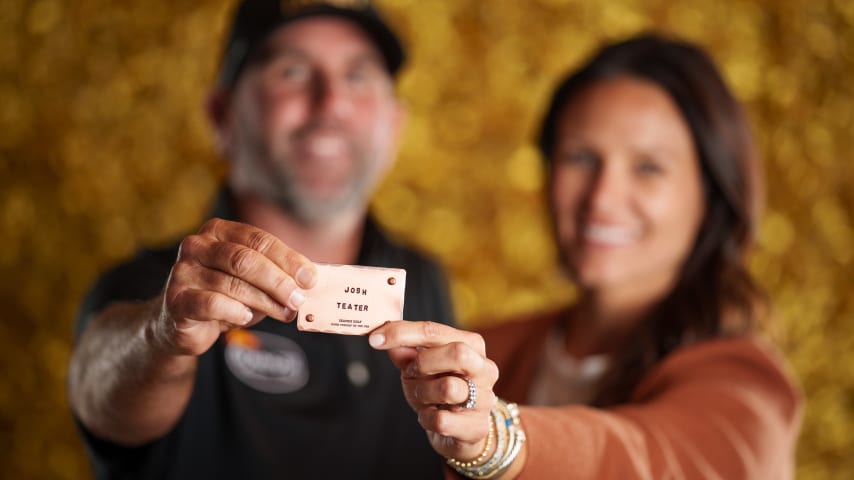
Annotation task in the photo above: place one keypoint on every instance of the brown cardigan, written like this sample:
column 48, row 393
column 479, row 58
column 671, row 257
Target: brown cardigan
column 721, row 409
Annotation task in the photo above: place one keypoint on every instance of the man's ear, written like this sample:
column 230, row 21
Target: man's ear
column 217, row 110
column 397, row 127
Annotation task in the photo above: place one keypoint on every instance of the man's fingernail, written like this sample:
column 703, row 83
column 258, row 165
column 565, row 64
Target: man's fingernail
column 288, row 314
column 248, row 316
column 305, row 277
column 296, row 299
column 376, row 339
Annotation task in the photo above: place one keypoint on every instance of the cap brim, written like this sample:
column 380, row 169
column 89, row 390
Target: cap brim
column 384, row 39
column 253, row 27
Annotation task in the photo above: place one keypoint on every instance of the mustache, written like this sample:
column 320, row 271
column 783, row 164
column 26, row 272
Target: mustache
column 320, row 127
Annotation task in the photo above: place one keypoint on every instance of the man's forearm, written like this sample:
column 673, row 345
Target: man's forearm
column 123, row 384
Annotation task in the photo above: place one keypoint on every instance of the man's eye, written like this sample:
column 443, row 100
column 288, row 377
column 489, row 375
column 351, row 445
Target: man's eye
column 358, row 77
column 579, row 158
column 295, row 72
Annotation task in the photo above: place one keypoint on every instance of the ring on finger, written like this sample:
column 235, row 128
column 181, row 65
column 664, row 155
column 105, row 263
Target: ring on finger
column 471, row 401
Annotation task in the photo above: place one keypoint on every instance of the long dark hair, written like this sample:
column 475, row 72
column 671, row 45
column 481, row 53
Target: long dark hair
column 714, row 294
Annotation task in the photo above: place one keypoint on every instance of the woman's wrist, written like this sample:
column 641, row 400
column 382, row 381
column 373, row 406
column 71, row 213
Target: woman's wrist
column 487, row 452
column 508, row 440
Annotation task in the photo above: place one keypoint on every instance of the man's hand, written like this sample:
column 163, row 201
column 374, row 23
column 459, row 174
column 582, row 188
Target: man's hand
column 228, row 275
column 133, row 370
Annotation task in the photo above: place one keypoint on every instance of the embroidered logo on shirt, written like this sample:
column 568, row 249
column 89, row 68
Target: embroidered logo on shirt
column 266, row 362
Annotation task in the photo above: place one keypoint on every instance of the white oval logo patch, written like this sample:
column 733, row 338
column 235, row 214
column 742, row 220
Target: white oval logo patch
column 266, row 362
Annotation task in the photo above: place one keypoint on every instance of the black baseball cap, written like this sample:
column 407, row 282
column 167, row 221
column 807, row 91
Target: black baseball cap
column 255, row 20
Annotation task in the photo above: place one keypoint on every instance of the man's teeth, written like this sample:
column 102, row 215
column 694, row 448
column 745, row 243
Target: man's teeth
column 609, row 235
column 324, row 146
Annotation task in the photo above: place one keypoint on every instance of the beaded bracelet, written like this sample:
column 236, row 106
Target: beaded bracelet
column 509, row 439
column 480, row 458
column 500, row 447
column 518, row 438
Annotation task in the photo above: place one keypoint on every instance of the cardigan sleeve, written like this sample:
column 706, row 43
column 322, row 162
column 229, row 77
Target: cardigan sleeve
column 724, row 409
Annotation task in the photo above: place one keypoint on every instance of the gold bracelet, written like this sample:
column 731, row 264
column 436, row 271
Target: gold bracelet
column 480, row 458
column 509, row 439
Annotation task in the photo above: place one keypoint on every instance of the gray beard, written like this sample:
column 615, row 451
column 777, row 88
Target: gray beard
column 277, row 182
column 291, row 197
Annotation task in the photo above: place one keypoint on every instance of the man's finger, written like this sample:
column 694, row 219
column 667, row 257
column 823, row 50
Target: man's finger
column 250, row 266
column 291, row 262
column 201, row 305
column 244, row 292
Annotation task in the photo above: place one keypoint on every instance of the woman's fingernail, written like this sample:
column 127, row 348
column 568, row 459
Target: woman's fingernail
column 305, row 277
column 296, row 299
column 376, row 339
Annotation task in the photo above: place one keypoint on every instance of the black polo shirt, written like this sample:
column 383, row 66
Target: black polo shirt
column 275, row 402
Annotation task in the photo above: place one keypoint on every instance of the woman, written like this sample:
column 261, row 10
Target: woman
column 657, row 371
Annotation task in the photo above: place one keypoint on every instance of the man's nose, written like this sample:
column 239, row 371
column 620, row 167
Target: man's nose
column 331, row 98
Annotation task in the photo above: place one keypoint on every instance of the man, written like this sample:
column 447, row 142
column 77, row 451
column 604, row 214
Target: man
column 162, row 381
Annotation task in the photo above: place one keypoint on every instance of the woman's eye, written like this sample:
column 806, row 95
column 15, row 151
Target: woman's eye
column 648, row 167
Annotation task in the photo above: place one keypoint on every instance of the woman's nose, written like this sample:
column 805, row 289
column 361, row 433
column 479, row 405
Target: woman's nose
column 608, row 187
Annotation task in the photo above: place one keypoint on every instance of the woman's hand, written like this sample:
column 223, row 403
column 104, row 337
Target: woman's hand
column 435, row 360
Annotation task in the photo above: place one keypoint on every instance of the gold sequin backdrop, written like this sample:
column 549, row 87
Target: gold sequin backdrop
column 104, row 148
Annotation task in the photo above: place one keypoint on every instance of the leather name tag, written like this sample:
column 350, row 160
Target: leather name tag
column 352, row 299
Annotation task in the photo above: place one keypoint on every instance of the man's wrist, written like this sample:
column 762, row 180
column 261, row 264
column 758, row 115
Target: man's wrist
column 158, row 334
